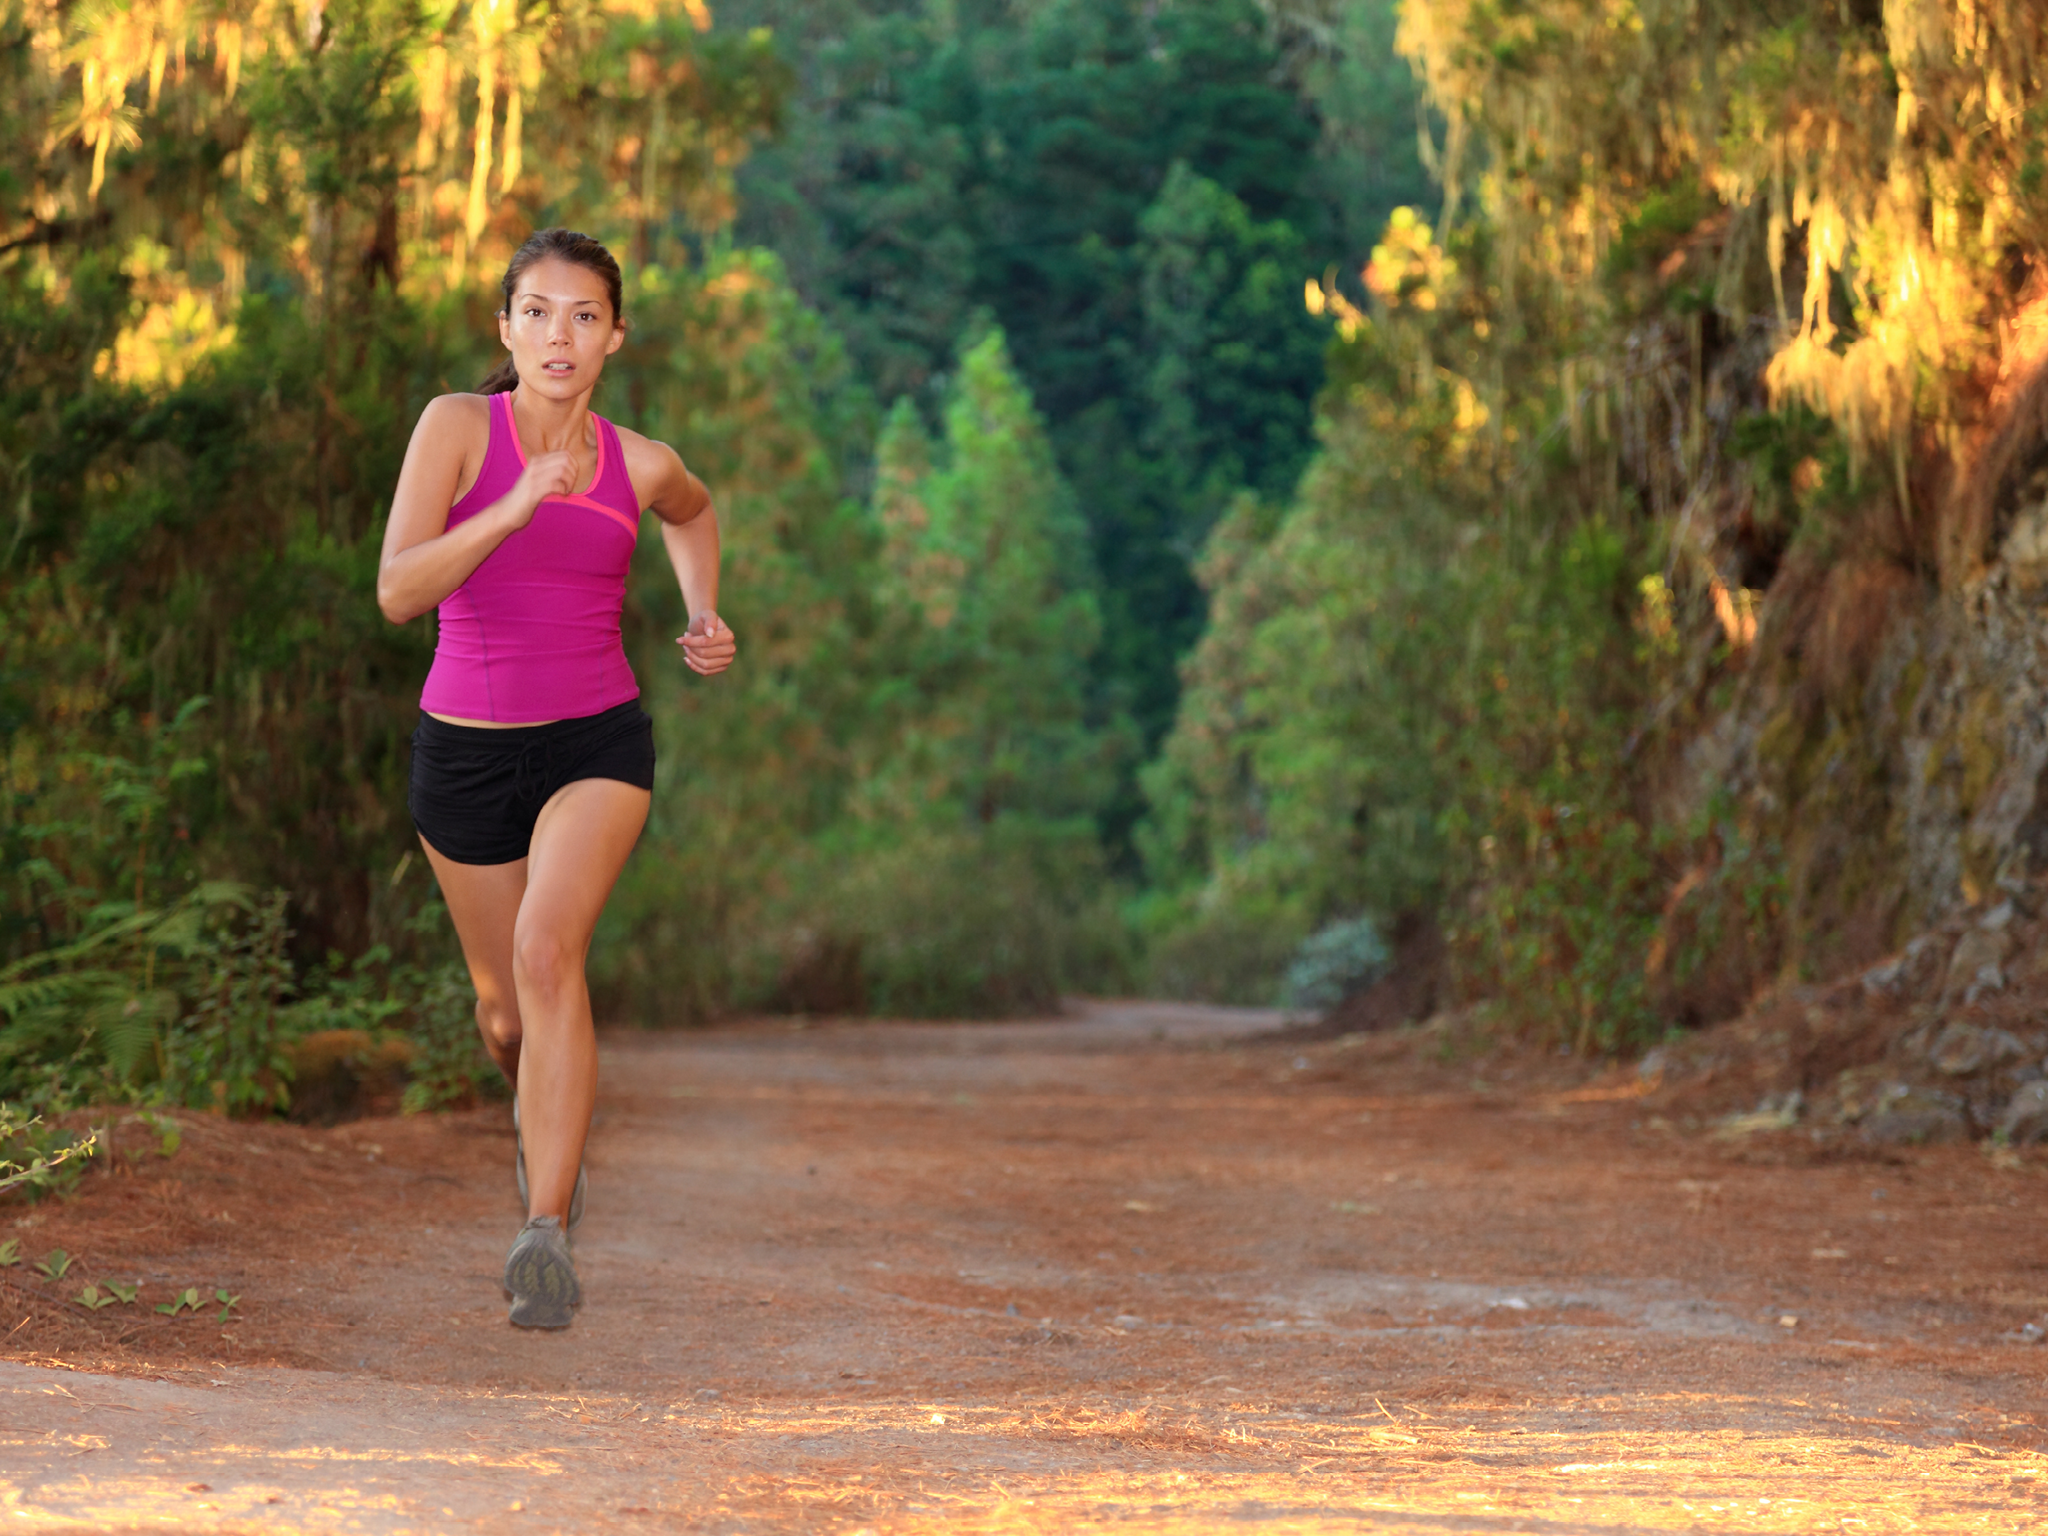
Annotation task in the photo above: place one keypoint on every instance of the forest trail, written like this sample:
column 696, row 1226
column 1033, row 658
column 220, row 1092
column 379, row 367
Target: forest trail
column 1140, row 1267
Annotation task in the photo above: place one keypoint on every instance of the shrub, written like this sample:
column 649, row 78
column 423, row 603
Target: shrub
column 34, row 1158
column 1334, row 962
column 1228, row 953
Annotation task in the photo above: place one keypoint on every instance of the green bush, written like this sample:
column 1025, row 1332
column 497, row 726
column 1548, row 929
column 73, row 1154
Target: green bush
column 1231, row 952
column 973, row 926
column 1334, row 962
column 35, row 1158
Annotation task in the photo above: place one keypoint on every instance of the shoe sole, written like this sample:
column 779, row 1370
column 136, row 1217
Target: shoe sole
column 544, row 1287
column 532, row 1312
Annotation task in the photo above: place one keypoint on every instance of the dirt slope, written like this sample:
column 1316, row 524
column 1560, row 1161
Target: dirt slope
column 1128, row 1268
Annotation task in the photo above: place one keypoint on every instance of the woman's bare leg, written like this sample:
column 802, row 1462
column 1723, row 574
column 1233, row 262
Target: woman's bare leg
column 580, row 844
column 483, row 900
column 525, row 929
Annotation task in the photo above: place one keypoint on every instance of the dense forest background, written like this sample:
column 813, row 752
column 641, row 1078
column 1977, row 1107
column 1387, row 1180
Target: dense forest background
column 1219, row 495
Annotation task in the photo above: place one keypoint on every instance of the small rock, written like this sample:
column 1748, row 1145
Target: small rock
column 1998, row 917
column 1773, row 1112
column 1910, row 972
column 1883, row 980
column 1989, row 979
column 1977, row 964
column 1861, row 1090
column 2032, row 1333
column 1960, row 1049
column 2026, row 1118
column 1915, row 1117
column 1654, row 1065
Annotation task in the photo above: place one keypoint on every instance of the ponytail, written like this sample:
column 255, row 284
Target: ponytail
column 501, row 380
column 566, row 245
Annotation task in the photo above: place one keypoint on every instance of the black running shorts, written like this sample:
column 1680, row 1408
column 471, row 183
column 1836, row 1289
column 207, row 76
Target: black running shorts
column 476, row 792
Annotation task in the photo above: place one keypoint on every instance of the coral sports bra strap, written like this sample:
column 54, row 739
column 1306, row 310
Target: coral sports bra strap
column 610, row 491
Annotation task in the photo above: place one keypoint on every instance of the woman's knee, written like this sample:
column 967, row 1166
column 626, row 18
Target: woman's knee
column 545, row 963
column 498, row 1019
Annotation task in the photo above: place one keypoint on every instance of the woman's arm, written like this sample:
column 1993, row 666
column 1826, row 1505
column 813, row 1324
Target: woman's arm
column 689, row 532
column 424, row 559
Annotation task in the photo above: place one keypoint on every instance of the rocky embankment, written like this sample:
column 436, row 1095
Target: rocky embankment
column 1946, row 1040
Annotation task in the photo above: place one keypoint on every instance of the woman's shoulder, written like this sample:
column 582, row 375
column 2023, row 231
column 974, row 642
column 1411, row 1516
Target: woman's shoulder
column 457, row 410
column 643, row 452
column 655, row 469
column 637, row 442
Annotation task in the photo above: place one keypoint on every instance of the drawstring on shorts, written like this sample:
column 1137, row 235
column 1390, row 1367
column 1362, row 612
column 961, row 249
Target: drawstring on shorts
column 535, row 769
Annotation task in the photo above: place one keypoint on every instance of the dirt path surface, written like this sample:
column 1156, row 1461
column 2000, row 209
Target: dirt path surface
column 1133, row 1268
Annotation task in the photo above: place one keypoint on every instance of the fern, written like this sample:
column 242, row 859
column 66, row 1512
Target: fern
column 125, row 1028
column 102, row 1005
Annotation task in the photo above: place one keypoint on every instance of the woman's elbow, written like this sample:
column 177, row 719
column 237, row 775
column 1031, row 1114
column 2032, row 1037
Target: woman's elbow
column 391, row 602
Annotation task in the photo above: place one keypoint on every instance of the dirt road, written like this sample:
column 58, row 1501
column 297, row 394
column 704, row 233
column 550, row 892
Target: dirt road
column 1132, row 1268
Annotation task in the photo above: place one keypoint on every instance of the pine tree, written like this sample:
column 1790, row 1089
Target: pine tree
column 987, row 544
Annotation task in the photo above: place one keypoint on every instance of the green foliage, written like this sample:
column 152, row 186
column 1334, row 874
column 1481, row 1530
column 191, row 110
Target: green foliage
column 753, row 766
column 987, row 561
column 957, row 859
column 991, row 772
column 1573, row 434
column 1135, row 193
column 1334, row 962
column 1064, row 245
column 198, row 1005
column 194, row 1001
column 213, row 391
column 1228, row 948
column 437, row 1011
column 86, row 1018
column 1418, row 687
column 1799, row 465
column 1562, row 923
column 230, row 1042
column 186, row 1300
column 1369, row 159
column 35, row 1158
column 975, row 923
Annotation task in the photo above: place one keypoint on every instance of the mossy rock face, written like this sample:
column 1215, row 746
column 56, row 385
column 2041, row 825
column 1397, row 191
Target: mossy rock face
column 1980, row 743
column 1779, row 746
column 342, row 1074
column 1932, row 793
column 1915, row 1117
column 1906, row 694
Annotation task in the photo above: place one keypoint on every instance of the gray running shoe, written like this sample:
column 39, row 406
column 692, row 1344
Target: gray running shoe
column 519, row 1172
column 541, row 1276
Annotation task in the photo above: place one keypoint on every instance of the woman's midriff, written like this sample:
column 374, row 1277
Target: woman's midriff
column 489, row 725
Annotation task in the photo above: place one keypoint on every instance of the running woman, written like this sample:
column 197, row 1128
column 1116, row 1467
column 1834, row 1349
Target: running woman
column 517, row 513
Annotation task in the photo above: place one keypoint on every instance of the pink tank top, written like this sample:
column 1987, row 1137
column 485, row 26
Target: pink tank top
column 534, row 633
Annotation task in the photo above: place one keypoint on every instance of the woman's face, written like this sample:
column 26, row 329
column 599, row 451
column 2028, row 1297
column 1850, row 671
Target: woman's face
column 560, row 328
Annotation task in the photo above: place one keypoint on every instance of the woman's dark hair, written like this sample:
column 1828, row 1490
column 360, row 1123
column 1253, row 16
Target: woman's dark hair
column 562, row 245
